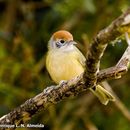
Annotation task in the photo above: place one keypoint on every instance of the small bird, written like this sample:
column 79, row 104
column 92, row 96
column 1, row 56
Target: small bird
column 64, row 61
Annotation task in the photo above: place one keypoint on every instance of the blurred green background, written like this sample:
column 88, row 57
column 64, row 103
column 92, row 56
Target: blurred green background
column 25, row 28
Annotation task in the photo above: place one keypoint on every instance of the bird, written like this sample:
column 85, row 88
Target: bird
column 64, row 61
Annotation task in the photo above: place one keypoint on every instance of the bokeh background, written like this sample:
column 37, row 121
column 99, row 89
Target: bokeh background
column 25, row 28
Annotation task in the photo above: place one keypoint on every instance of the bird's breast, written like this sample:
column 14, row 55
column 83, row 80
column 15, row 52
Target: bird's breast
column 63, row 66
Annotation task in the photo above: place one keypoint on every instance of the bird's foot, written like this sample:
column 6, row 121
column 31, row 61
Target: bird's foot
column 62, row 82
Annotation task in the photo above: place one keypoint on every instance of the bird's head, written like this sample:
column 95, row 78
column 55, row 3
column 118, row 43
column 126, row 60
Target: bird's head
column 61, row 40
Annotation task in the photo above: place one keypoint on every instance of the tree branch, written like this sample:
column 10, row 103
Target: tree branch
column 99, row 45
column 54, row 94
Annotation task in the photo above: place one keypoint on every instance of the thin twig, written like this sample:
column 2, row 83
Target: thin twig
column 118, row 103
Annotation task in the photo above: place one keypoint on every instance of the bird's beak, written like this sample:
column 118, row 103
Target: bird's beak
column 72, row 42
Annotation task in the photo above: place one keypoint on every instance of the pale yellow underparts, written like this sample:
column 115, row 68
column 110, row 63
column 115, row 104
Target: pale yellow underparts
column 64, row 65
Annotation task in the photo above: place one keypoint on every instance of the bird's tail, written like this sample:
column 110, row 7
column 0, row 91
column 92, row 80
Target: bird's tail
column 103, row 95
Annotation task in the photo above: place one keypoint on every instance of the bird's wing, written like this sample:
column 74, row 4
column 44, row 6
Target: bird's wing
column 81, row 57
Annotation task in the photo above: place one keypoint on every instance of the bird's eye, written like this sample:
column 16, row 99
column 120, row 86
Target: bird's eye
column 62, row 41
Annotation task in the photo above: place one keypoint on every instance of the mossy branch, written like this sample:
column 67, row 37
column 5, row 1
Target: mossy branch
column 54, row 94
